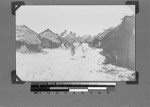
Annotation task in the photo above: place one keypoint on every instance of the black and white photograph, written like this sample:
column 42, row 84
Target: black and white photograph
column 74, row 53
column 75, row 43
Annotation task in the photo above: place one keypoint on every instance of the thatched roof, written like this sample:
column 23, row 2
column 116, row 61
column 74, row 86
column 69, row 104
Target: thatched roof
column 129, row 18
column 26, row 35
column 48, row 34
column 101, row 35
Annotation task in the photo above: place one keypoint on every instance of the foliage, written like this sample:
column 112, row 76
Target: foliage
column 23, row 49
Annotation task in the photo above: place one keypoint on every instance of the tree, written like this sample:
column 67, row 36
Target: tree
column 74, row 34
column 63, row 33
column 71, row 33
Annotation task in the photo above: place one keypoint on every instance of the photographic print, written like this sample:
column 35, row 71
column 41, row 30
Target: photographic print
column 75, row 43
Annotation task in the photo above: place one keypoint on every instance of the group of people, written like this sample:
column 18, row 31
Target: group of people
column 84, row 47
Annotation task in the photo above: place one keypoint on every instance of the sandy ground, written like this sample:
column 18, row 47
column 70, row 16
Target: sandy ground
column 60, row 65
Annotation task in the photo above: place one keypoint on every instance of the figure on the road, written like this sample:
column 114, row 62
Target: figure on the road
column 72, row 48
column 84, row 49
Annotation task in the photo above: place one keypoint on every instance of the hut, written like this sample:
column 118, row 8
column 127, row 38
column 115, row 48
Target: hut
column 119, row 44
column 49, row 39
column 27, row 40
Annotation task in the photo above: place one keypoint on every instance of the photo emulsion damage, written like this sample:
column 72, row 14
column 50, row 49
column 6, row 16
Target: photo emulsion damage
column 75, row 43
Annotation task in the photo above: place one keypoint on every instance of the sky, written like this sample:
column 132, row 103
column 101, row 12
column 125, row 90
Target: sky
column 80, row 19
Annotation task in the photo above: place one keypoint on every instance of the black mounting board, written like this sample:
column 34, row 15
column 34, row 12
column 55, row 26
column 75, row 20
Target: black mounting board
column 15, row 79
column 15, row 5
column 136, row 82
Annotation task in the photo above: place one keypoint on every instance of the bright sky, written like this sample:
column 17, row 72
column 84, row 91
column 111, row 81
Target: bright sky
column 81, row 19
